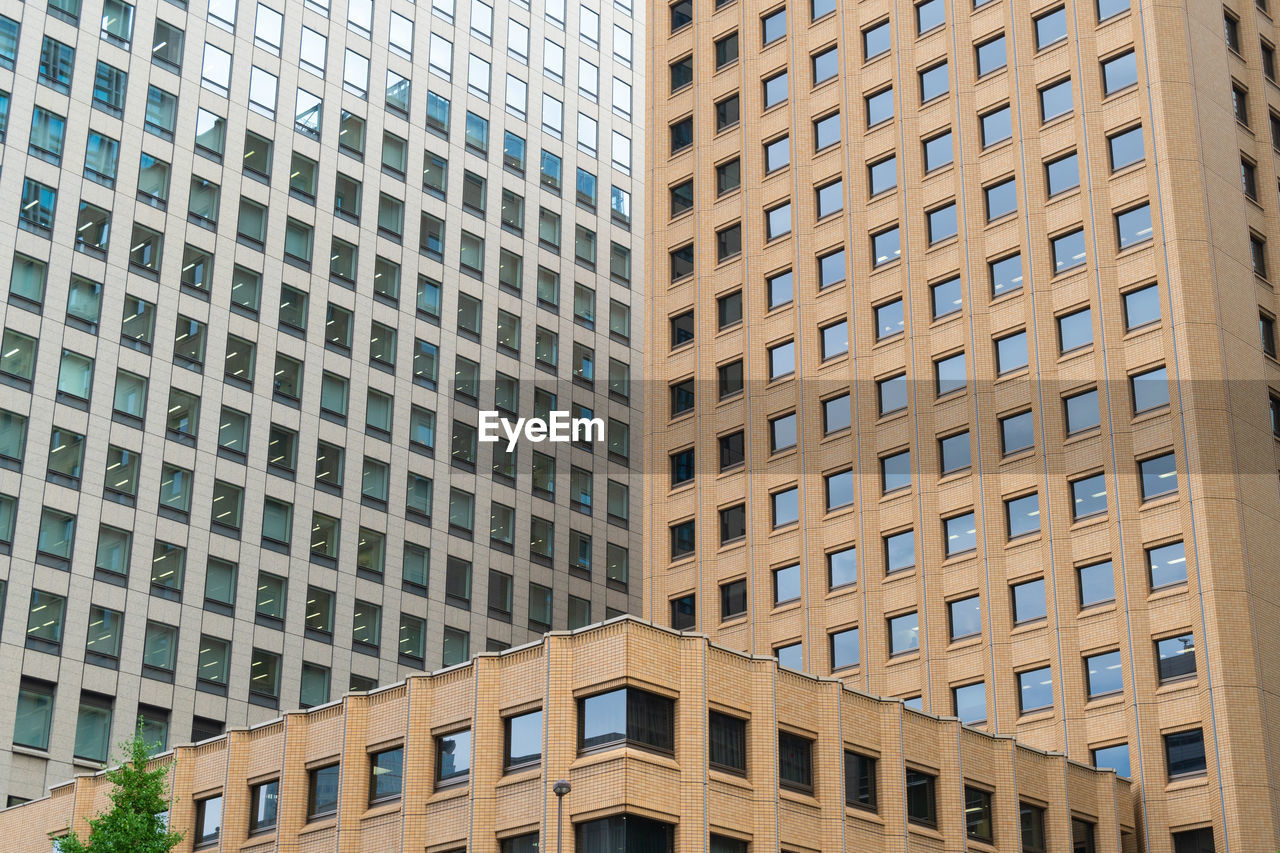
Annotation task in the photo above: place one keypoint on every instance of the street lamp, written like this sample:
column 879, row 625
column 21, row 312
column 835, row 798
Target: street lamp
column 560, row 789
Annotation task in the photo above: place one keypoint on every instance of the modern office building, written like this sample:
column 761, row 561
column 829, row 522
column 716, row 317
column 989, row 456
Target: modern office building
column 966, row 320
column 668, row 743
column 264, row 265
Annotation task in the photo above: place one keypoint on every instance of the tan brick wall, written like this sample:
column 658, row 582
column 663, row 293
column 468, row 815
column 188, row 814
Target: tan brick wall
column 677, row 788
column 1216, row 423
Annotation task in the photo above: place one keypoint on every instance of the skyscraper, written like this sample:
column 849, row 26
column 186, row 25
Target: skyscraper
column 963, row 337
column 264, row 266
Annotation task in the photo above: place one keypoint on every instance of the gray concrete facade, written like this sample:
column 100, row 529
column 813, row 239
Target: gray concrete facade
column 280, row 256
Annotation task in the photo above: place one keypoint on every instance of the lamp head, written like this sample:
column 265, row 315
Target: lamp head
column 561, row 788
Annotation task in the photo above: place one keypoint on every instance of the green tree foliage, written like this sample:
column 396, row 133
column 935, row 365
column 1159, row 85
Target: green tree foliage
column 135, row 822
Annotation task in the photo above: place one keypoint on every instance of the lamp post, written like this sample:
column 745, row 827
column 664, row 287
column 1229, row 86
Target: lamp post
column 560, row 788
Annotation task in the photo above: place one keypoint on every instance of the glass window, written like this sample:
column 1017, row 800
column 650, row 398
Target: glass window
column 879, row 107
column 114, row 549
column 1089, row 496
column 322, row 797
column 970, row 702
column 844, row 648
column 786, row 507
column 1159, row 476
column 522, row 740
column 1104, row 674
column 1068, row 250
column 930, row 14
column 386, row 778
column 1001, row 199
column 733, row 599
column 795, row 761
column 160, row 647
column 1062, row 174
column 786, row 584
column 36, row 211
column 56, row 63
column 47, row 132
column 264, row 801
column 860, row 781
column 1126, row 147
column 1081, row 411
column 220, row 581
column 997, row 126
column 965, row 616
column 1035, row 690
column 1167, row 564
column 886, row 247
column 961, row 534
column 109, row 89
column 777, row 154
column 1176, row 657
column 1119, row 72
column 949, row 374
column 624, row 831
column 56, row 533
column 782, row 360
column 214, row 663
column 1028, row 601
column 979, row 815
column 264, row 674
column 1051, row 27
column 1184, row 753
column 93, row 727
column 1112, row 758
column 1056, row 100
column 1150, row 390
column 216, row 69
column 453, row 757
column 627, row 715
column 209, row 820
column 904, row 633
column 45, row 619
column 1011, row 353
column 1134, row 226
column 1097, row 583
column 1022, row 515
column 934, row 82
column 773, row 25
column 991, row 55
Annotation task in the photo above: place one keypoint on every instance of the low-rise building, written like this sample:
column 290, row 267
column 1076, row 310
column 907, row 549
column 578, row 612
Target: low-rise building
column 668, row 741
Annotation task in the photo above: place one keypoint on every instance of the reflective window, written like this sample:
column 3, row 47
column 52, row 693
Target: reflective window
column 1035, row 690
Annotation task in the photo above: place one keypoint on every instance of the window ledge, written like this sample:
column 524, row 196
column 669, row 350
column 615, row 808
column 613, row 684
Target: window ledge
column 1107, row 700
column 1182, row 783
column 451, row 791
column 1036, row 716
column 1159, row 501
column 924, row 831
column 33, row 752
column 624, row 753
column 519, row 776
column 319, row 823
column 795, row 795
column 725, row 777
column 1180, row 683
column 865, row 813
column 966, row 642
column 380, row 809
